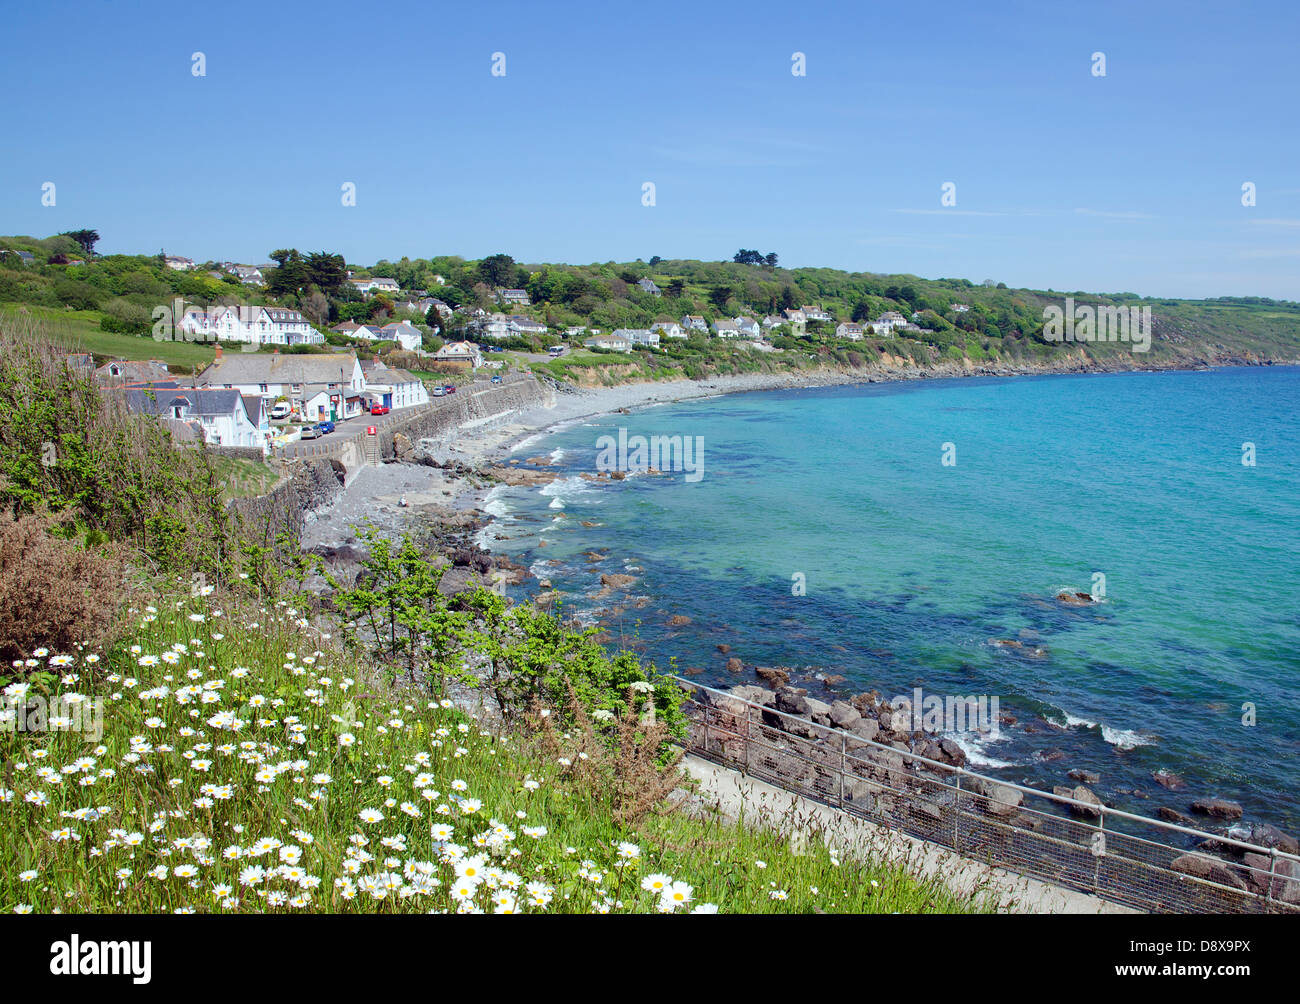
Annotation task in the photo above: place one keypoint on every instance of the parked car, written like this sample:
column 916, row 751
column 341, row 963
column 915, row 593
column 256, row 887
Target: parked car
column 324, row 428
column 379, row 409
column 450, row 388
column 281, row 409
column 496, row 378
column 438, row 392
column 310, row 432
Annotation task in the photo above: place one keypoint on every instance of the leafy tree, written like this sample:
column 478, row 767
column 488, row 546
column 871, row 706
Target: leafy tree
column 328, row 272
column 497, row 270
column 719, row 296
column 676, row 288
column 291, row 276
column 86, row 238
column 771, row 259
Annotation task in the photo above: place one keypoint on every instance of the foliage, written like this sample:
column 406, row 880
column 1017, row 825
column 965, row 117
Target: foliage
column 53, row 592
column 293, row 779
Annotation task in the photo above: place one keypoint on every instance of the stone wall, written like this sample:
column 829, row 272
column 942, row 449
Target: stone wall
column 240, row 452
column 482, row 403
column 313, row 483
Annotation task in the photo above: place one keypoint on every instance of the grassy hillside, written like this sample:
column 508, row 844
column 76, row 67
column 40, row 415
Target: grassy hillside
column 106, row 306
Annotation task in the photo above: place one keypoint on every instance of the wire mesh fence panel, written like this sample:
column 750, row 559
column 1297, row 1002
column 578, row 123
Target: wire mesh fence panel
column 1132, row 860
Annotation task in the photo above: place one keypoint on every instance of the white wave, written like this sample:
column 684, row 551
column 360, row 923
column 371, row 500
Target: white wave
column 527, row 441
column 494, row 503
column 1125, row 739
column 557, row 454
column 544, row 568
column 562, row 491
column 974, row 746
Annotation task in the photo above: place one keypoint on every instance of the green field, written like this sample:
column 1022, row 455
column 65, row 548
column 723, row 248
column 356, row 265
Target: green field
column 79, row 331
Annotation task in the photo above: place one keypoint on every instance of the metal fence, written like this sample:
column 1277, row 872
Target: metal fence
column 1117, row 856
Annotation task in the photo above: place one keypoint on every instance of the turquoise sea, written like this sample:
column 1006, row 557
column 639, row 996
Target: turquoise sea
column 914, row 568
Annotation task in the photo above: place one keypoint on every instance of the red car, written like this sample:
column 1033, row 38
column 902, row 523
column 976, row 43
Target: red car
column 379, row 409
column 449, row 389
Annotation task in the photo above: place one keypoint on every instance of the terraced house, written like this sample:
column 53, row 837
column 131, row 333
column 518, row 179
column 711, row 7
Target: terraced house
column 392, row 388
column 317, row 386
column 254, row 324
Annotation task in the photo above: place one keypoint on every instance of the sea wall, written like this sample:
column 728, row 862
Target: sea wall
column 478, row 405
column 312, row 483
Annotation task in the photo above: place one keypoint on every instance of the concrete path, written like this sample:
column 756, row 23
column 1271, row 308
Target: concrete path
column 735, row 796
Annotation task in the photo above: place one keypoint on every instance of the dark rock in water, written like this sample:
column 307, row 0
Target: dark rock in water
column 954, row 753
column 833, row 679
column 734, row 665
column 694, row 670
column 1050, row 756
column 678, row 620
column 777, row 678
column 1205, row 867
column 1168, row 780
column 1091, row 805
column 1217, row 808
column 1086, row 776
column 1265, row 835
column 1174, row 816
column 1285, row 880
column 1074, row 599
column 724, row 649
column 1001, row 801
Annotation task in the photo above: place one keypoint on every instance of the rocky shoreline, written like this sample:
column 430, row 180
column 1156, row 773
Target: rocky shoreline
column 437, row 488
column 863, row 750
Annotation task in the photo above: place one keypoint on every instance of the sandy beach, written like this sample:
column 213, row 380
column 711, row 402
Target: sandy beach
column 454, row 496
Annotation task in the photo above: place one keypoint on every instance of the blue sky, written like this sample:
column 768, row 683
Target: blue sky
column 1064, row 180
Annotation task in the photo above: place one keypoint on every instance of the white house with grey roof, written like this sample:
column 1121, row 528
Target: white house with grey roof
column 375, row 283
column 293, row 377
column 220, row 415
column 253, row 324
column 639, row 336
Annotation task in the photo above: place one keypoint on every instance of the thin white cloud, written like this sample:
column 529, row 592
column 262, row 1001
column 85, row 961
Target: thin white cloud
column 1275, row 221
column 1114, row 215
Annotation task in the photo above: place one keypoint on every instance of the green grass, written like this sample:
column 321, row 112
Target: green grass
column 334, row 785
column 245, row 478
column 79, row 331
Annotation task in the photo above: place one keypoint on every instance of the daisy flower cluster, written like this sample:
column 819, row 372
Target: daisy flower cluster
column 240, row 771
column 247, row 765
